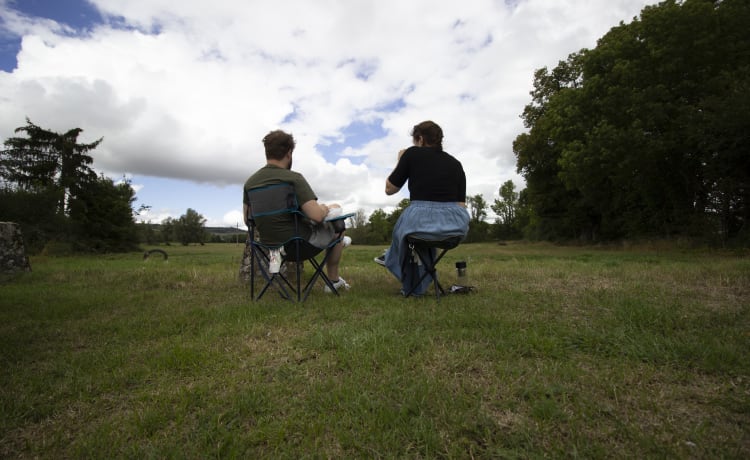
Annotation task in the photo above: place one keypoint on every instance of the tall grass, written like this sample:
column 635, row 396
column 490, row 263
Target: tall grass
column 561, row 352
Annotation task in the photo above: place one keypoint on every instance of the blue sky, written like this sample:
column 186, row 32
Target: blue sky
column 183, row 92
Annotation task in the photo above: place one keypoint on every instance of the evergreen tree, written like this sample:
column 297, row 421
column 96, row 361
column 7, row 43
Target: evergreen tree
column 47, row 161
column 48, row 186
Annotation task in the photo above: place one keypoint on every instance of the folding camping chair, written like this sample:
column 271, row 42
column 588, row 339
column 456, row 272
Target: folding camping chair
column 424, row 252
column 282, row 199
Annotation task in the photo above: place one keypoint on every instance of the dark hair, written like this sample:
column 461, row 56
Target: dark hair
column 277, row 144
column 431, row 134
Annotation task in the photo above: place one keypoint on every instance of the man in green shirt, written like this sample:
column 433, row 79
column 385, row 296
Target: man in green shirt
column 279, row 147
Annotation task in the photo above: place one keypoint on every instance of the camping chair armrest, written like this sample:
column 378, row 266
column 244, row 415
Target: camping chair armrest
column 340, row 217
column 339, row 222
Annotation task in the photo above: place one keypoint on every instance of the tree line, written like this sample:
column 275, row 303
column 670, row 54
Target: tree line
column 509, row 223
column 48, row 187
column 645, row 135
column 188, row 228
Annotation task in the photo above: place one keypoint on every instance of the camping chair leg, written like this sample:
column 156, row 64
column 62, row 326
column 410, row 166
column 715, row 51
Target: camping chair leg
column 430, row 264
column 269, row 278
column 438, row 286
column 405, row 265
column 439, row 291
column 299, row 282
column 415, row 254
column 252, row 272
column 433, row 272
column 318, row 272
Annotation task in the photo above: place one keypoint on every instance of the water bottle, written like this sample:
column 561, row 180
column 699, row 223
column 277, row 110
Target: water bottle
column 461, row 275
column 274, row 260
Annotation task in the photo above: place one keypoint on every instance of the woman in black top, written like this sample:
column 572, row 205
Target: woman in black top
column 437, row 189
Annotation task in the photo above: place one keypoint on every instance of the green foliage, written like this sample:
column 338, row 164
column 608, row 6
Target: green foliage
column 190, row 228
column 35, row 212
column 102, row 216
column 508, row 222
column 477, row 208
column 646, row 134
column 45, row 160
column 478, row 232
column 147, row 233
column 393, row 217
column 49, row 188
column 168, row 230
column 379, row 227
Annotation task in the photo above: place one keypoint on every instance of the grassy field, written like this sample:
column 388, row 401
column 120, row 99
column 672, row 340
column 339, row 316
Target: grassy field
column 562, row 352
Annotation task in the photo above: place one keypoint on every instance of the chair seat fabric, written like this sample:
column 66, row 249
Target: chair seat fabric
column 445, row 243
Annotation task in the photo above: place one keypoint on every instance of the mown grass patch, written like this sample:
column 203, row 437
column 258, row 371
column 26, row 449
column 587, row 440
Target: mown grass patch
column 561, row 352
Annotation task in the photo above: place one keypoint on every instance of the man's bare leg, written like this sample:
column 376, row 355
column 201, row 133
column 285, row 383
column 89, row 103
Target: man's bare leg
column 334, row 258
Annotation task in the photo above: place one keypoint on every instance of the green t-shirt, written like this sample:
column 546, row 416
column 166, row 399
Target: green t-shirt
column 279, row 228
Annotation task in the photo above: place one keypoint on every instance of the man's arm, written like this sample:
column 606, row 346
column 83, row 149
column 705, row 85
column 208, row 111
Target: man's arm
column 314, row 210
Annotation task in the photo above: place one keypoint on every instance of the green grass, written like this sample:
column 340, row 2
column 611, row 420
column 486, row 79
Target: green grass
column 562, row 352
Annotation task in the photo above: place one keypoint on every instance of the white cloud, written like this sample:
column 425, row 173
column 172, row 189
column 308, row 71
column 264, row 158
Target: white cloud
column 188, row 89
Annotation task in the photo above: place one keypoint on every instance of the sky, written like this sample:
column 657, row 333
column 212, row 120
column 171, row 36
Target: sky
column 182, row 93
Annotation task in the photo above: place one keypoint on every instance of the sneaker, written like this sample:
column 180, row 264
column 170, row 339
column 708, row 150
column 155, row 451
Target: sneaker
column 339, row 285
column 347, row 240
column 380, row 260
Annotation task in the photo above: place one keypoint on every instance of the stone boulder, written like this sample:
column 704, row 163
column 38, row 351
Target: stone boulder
column 12, row 251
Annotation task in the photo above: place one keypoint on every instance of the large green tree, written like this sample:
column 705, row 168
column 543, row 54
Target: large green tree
column 479, row 230
column 48, row 186
column 506, row 210
column 477, row 208
column 538, row 151
column 647, row 133
column 49, row 161
column 379, row 227
column 102, row 216
column 168, row 230
column 190, row 228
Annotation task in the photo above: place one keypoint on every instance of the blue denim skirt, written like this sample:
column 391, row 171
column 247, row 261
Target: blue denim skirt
column 428, row 220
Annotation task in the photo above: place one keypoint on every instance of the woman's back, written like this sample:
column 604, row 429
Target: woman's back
column 433, row 175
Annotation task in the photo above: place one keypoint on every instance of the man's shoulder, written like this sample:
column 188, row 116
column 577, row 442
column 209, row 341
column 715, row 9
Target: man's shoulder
column 271, row 175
